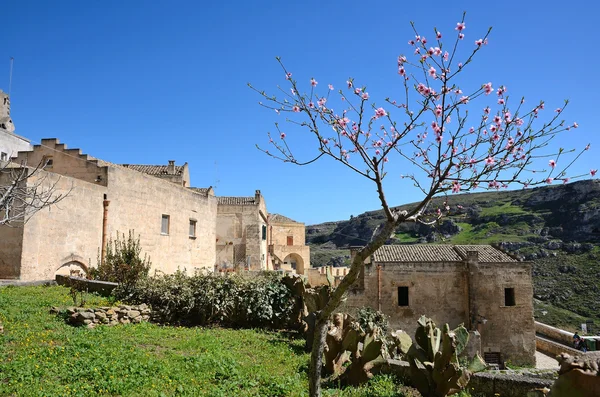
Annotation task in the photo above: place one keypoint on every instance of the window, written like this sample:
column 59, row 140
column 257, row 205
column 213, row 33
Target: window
column 47, row 161
column 264, row 232
column 164, row 225
column 192, row 228
column 3, row 156
column 509, row 297
column 290, row 240
column 402, row 296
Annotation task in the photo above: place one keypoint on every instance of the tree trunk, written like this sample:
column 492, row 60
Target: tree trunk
column 316, row 356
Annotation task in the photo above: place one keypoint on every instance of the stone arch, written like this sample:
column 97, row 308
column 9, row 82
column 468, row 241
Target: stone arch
column 296, row 262
column 72, row 267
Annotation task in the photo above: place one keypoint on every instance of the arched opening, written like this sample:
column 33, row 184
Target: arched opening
column 72, row 268
column 294, row 262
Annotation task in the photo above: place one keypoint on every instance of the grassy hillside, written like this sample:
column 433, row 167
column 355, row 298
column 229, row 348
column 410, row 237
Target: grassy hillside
column 555, row 227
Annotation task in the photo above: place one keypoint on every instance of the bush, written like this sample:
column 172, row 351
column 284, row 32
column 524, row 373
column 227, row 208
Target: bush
column 261, row 300
column 123, row 263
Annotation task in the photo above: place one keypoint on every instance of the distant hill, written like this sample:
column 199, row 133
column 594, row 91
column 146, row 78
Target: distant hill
column 555, row 227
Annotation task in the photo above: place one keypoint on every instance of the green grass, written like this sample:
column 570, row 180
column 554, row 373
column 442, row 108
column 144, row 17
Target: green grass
column 40, row 355
column 406, row 238
column 505, row 208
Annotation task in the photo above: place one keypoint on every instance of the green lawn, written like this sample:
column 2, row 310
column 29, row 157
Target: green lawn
column 40, row 355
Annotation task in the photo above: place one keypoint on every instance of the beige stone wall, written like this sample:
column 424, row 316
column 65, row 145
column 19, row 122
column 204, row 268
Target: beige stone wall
column 67, row 162
column 11, row 239
column 435, row 290
column 240, row 226
column 298, row 252
column 440, row 291
column 71, row 231
column 508, row 329
column 138, row 201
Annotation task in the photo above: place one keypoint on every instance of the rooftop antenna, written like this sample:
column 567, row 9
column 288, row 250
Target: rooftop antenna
column 217, row 180
column 12, row 61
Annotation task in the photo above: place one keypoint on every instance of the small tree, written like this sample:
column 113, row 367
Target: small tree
column 428, row 132
column 123, row 262
column 25, row 191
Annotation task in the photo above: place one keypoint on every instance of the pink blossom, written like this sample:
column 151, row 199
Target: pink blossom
column 321, row 101
column 380, row 112
column 455, row 187
column 385, row 160
column 401, row 71
column 587, row 147
column 411, row 42
column 325, row 141
column 349, row 82
column 288, row 76
column 377, row 152
column 446, row 55
column 460, row 65
column 565, row 181
column 479, row 42
column 313, row 82
column 549, row 181
column 437, row 51
column 311, row 105
column 438, row 34
column 490, row 161
column 293, row 91
column 330, row 86
column 460, row 26
column 365, row 95
column 575, row 125
column 438, row 110
column 282, row 135
column 471, row 130
column 401, row 60
column 423, row 40
column 500, row 101
column 552, row 163
column 461, row 36
column 558, row 110
column 488, row 88
column 464, row 99
column 296, row 109
column 593, row 172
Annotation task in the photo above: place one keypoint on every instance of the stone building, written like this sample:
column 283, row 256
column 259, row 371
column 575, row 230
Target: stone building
column 287, row 247
column 476, row 285
column 180, row 227
column 10, row 143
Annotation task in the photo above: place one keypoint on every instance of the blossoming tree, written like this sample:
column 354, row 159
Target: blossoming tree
column 431, row 132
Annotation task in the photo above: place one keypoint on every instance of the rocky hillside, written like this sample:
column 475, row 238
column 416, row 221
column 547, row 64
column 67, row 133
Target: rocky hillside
column 556, row 227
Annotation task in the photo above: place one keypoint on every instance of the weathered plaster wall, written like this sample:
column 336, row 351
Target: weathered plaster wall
column 11, row 144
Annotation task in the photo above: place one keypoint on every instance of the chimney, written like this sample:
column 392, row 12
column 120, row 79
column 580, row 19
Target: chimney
column 472, row 257
column 171, row 167
column 257, row 195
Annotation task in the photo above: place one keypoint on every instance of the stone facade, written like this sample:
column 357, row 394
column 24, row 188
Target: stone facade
column 287, row 247
column 179, row 227
column 6, row 122
column 10, row 143
column 241, row 238
column 479, row 286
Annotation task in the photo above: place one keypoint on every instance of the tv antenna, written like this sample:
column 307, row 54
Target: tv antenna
column 12, row 61
column 217, row 180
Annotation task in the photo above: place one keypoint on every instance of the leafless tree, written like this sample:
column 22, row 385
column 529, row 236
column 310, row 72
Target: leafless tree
column 24, row 191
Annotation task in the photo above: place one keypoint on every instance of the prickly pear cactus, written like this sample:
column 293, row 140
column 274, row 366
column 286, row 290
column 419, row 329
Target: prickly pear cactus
column 433, row 359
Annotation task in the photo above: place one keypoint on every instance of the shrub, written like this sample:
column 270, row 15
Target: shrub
column 261, row 300
column 123, row 263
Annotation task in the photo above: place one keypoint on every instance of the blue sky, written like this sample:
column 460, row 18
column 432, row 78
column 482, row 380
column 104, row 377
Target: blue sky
column 146, row 82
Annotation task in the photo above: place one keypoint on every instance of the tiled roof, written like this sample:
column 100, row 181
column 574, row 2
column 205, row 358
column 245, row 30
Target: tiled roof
column 487, row 253
column 155, row 170
column 416, row 253
column 201, row 190
column 236, row 200
column 280, row 218
column 438, row 253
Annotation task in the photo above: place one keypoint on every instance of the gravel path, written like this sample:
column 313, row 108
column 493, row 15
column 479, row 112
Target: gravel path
column 545, row 362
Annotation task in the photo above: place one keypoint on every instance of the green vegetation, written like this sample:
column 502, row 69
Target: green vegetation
column 502, row 208
column 40, row 355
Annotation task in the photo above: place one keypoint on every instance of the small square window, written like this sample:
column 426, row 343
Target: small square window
column 509, row 297
column 3, row 156
column 402, row 296
column 192, row 228
column 164, row 225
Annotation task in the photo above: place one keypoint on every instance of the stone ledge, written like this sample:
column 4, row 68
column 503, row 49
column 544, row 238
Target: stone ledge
column 103, row 288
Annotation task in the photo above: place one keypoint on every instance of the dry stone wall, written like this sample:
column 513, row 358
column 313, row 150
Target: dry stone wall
column 92, row 317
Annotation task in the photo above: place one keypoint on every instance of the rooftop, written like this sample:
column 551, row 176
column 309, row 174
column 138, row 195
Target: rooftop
column 224, row 200
column 280, row 218
column 438, row 253
column 155, row 170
